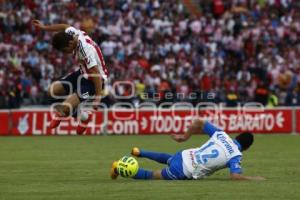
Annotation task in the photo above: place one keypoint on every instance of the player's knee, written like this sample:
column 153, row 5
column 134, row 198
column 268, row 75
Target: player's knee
column 55, row 89
column 64, row 109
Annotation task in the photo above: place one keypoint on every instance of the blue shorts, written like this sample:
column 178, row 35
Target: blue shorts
column 174, row 171
column 85, row 89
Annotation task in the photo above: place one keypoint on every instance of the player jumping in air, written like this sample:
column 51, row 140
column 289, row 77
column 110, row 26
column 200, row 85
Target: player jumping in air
column 219, row 152
column 83, row 84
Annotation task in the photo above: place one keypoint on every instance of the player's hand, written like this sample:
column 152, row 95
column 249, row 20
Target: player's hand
column 179, row 138
column 38, row 24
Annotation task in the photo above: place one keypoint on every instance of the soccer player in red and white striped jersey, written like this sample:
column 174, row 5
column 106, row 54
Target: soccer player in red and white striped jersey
column 87, row 82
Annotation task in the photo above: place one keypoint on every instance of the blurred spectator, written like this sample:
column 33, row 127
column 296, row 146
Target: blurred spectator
column 261, row 94
column 238, row 49
column 272, row 100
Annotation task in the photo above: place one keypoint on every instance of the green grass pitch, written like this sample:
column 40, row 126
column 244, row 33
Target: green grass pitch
column 78, row 168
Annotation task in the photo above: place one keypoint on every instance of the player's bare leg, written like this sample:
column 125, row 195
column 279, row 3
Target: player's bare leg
column 157, row 175
column 56, row 89
column 64, row 109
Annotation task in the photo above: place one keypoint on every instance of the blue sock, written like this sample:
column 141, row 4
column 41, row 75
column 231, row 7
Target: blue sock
column 143, row 174
column 158, row 157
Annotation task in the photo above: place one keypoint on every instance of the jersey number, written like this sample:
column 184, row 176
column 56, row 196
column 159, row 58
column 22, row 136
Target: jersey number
column 204, row 158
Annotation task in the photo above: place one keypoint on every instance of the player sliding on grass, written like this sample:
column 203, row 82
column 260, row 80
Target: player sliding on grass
column 219, row 152
column 82, row 84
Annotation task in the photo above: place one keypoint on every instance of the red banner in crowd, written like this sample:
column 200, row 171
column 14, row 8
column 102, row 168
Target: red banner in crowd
column 37, row 123
column 150, row 122
column 4, row 123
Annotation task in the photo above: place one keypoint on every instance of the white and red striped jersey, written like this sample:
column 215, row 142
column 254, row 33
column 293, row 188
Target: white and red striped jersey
column 88, row 53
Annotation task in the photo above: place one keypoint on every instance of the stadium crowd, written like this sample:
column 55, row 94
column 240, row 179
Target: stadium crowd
column 237, row 51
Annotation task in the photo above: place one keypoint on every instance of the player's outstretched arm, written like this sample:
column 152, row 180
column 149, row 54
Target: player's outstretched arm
column 51, row 28
column 239, row 177
column 196, row 127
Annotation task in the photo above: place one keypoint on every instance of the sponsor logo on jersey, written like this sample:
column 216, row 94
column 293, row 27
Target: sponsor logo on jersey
column 222, row 138
column 192, row 155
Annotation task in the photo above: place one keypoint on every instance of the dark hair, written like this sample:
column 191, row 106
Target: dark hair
column 245, row 139
column 61, row 40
